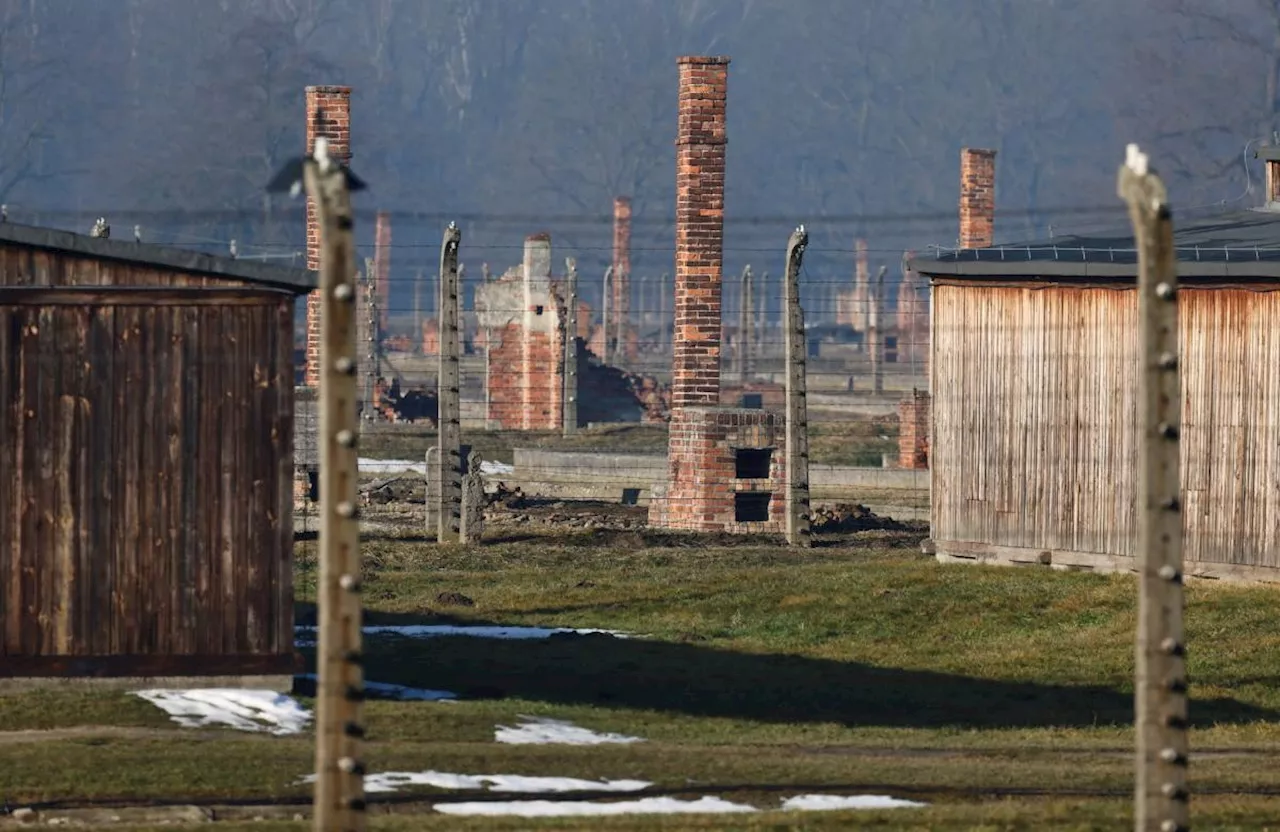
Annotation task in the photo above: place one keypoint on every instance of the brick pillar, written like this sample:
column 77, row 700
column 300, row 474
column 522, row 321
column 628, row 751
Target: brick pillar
column 861, row 300
column 382, row 266
column 328, row 115
column 620, row 302
column 700, row 155
column 913, row 430
column 977, row 197
column 541, row 379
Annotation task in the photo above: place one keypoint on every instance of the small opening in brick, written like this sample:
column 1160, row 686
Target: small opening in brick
column 751, row 506
column 537, row 310
column 752, row 463
column 752, row 401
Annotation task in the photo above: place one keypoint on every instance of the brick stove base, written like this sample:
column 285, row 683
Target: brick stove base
column 711, row 482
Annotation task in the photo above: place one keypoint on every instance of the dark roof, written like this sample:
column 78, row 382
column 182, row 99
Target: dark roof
column 165, row 257
column 1242, row 245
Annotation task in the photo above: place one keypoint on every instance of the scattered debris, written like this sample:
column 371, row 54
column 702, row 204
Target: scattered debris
column 852, row 517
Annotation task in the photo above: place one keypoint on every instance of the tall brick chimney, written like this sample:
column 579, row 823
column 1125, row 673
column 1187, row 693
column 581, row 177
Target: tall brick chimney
column 977, row 197
column 700, row 154
column 620, row 302
column 382, row 265
column 328, row 115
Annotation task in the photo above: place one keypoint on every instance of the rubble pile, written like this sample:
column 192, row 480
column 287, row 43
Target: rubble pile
column 851, row 517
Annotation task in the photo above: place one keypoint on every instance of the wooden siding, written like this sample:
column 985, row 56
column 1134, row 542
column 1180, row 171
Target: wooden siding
column 146, row 439
column 1035, row 420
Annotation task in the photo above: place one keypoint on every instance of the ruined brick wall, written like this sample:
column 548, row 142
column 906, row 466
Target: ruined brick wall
column 702, row 486
column 525, row 360
column 977, row 197
column 913, row 431
column 382, row 266
column 328, row 115
column 506, row 391
column 700, row 157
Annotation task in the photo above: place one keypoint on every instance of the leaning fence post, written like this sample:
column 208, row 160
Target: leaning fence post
column 1161, row 799
column 569, row 398
column 449, row 408
column 797, row 430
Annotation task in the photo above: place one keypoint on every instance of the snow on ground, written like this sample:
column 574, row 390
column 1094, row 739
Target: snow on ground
column 819, row 802
column 542, row 731
column 474, row 631
column 385, row 690
column 245, row 710
column 557, row 808
column 390, row 781
column 396, row 466
column 663, row 805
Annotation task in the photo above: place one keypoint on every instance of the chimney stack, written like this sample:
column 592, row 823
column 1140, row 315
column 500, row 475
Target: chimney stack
column 382, row 265
column 620, row 303
column 977, row 197
column 700, row 155
column 328, row 115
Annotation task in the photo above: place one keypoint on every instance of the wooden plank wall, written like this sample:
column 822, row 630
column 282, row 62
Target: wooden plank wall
column 1035, row 420
column 147, row 514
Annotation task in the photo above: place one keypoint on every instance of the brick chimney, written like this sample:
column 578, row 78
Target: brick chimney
column 328, row 115
column 977, row 197
column 620, row 302
column 382, row 265
column 700, row 154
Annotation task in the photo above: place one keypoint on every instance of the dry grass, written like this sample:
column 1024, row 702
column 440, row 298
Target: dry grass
column 1000, row 696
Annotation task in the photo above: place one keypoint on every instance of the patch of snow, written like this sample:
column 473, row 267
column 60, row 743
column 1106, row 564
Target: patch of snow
column 473, row 631
column 401, row 692
column 390, row 781
column 821, row 802
column 557, row 808
column 391, row 466
column 396, row 466
column 541, row 731
column 244, row 710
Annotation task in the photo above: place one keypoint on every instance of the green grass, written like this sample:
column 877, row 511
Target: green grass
column 1000, row 696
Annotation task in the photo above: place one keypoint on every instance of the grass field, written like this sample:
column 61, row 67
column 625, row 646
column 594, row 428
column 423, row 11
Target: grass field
column 1000, row 697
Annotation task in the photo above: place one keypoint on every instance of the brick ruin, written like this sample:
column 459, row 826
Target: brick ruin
column 521, row 326
column 725, row 464
column 522, row 316
column 977, row 230
column 329, row 115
